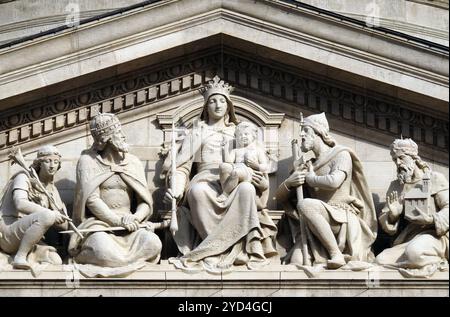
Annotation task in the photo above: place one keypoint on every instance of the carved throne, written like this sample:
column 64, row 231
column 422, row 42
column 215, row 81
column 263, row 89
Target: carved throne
column 246, row 110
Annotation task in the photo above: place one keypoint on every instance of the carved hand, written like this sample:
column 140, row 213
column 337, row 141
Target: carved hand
column 259, row 181
column 169, row 196
column 421, row 219
column 58, row 217
column 310, row 174
column 130, row 222
column 252, row 164
column 296, row 179
column 394, row 205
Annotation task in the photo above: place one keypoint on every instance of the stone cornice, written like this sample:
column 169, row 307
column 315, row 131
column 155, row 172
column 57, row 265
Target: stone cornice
column 274, row 280
column 242, row 106
column 168, row 24
column 292, row 87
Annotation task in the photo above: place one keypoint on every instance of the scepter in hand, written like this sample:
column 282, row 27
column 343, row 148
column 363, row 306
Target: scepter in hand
column 173, row 213
column 300, row 162
column 16, row 156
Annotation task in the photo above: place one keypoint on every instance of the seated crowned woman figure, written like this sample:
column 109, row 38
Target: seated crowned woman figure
column 215, row 234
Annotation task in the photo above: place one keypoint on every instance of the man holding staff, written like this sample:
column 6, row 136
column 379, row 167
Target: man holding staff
column 337, row 212
column 30, row 205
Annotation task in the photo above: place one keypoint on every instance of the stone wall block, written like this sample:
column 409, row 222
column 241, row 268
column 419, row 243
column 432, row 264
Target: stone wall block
column 13, row 136
column 106, row 106
column 3, row 138
column 152, row 91
column 163, row 90
column 48, row 125
column 393, row 126
column 429, row 136
column 359, row 115
column 59, row 122
column 71, row 118
column 231, row 75
column 417, row 134
column 371, row 119
column 117, row 104
column 347, row 112
column 406, row 130
column 186, row 83
column 336, row 107
column 265, row 86
column 197, row 80
column 277, row 90
column 94, row 109
column 24, row 133
column 382, row 123
column 441, row 140
column 82, row 115
column 242, row 79
column 288, row 93
column 301, row 97
column 323, row 103
column 140, row 97
column 129, row 100
column 174, row 86
column 254, row 82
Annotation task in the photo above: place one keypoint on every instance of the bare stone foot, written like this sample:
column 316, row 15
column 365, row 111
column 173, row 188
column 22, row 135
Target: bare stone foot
column 21, row 263
column 336, row 261
column 241, row 259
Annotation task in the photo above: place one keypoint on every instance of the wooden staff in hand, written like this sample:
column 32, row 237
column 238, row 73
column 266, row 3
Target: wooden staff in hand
column 300, row 163
column 173, row 166
column 147, row 225
column 16, row 156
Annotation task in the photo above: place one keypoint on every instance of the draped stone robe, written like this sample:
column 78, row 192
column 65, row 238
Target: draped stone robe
column 350, row 206
column 211, row 234
column 106, row 249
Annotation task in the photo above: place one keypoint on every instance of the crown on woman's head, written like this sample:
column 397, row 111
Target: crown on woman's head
column 216, row 86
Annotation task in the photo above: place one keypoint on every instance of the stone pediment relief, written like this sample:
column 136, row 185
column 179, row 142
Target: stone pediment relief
column 386, row 118
column 244, row 107
column 246, row 110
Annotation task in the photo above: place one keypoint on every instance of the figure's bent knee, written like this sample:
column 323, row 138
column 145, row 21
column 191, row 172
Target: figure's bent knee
column 199, row 189
column 153, row 240
column 308, row 206
column 46, row 218
column 419, row 248
column 383, row 259
column 226, row 168
column 247, row 188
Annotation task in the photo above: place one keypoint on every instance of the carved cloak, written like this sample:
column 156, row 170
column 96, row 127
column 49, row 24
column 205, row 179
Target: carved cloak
column 92, row 171
column 366, row 216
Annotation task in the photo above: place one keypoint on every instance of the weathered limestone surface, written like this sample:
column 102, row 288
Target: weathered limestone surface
column 278, row 281
column 373, row 88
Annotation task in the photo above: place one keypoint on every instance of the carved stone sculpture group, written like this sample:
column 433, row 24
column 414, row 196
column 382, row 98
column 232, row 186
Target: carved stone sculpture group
column 220, row 183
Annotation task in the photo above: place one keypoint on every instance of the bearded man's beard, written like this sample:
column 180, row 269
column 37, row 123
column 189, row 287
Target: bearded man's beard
column 306, row 145
column 405, row 173
column 120, row 146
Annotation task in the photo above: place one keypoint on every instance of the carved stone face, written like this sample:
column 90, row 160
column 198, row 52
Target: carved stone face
column 308, row 137
column 49, row 166
column 118, row 141
column 246, row 136
column 217, row 107
column 405, row 167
